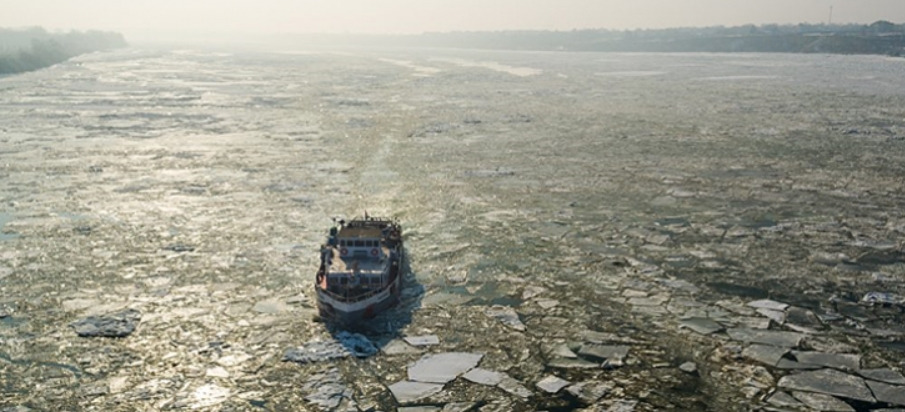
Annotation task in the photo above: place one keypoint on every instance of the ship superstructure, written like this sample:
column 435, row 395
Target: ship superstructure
column 359, row 274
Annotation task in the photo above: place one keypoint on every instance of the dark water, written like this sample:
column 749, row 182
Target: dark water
column 608, row 193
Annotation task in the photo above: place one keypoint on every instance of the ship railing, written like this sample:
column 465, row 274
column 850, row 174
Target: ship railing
column 354, row 298
column 371, row 220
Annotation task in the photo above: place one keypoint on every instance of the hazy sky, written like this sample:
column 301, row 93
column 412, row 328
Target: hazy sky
column 415, row 16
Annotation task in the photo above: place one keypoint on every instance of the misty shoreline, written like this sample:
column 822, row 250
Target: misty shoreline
column 31, row 49
column 879, row 38
column 24, row 50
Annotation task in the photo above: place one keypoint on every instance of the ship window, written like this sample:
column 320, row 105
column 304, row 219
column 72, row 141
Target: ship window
column 343, row 281
column 359, row 243
column 342, row 242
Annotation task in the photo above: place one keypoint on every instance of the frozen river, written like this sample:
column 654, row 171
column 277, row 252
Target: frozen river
column 602, row 231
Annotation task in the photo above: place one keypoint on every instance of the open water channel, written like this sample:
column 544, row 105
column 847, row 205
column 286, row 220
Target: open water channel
column 585, row 231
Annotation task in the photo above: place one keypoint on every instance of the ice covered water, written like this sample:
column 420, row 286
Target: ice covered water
column 556, row 206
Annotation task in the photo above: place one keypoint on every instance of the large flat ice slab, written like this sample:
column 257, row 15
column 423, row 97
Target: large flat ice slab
column 768, row 337
column 408, row 391
column 891, row 394
column 830, row 382
column 832, row 360
column 822, row 402
column 484, row 376
column 703, row 326
column 767, row 354
column 443, row 367
column 883, row 375
column 552, row 384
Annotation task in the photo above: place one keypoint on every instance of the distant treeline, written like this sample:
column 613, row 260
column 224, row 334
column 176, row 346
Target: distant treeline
column 881, row 37
column 35, row 48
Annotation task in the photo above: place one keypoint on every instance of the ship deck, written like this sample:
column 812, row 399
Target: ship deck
column 367, row 265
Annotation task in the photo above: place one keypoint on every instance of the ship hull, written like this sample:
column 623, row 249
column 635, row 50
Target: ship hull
column 334, row 310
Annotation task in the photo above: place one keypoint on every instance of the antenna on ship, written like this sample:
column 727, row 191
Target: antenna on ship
column 831, row 15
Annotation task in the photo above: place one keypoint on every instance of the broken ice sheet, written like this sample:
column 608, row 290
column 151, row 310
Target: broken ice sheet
column 883, row 375
column 115, row 325
column 766, row 354
column 768, row 337
column 426, row 340
column 884, row 298
column 514, row 387
column 589, row 392
column 209, row 395
column 830, row 382
column 346, row 344
column 506, row 315
column 797, row 317
column 604, row 352
column 271, row 306
column 531, row 292
column 408, row 391
column 822, row 402
column 561, row 350
column 777, row 316
column 217, row 372
column 790, row 364
column 443, row 367
column 238, row 175
column 783, row 400
column 734, row 307
column 622, row 405
column 483, row 376
column 569, row 363
column 768, row 304
column 327, row 389
column 702, row 326
column 547, row 303
column 891, row 394
column 832, row 360
column 751, row 322
column 656, row 300
column 552, row 384
column 593, row 336
column 398, row 347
